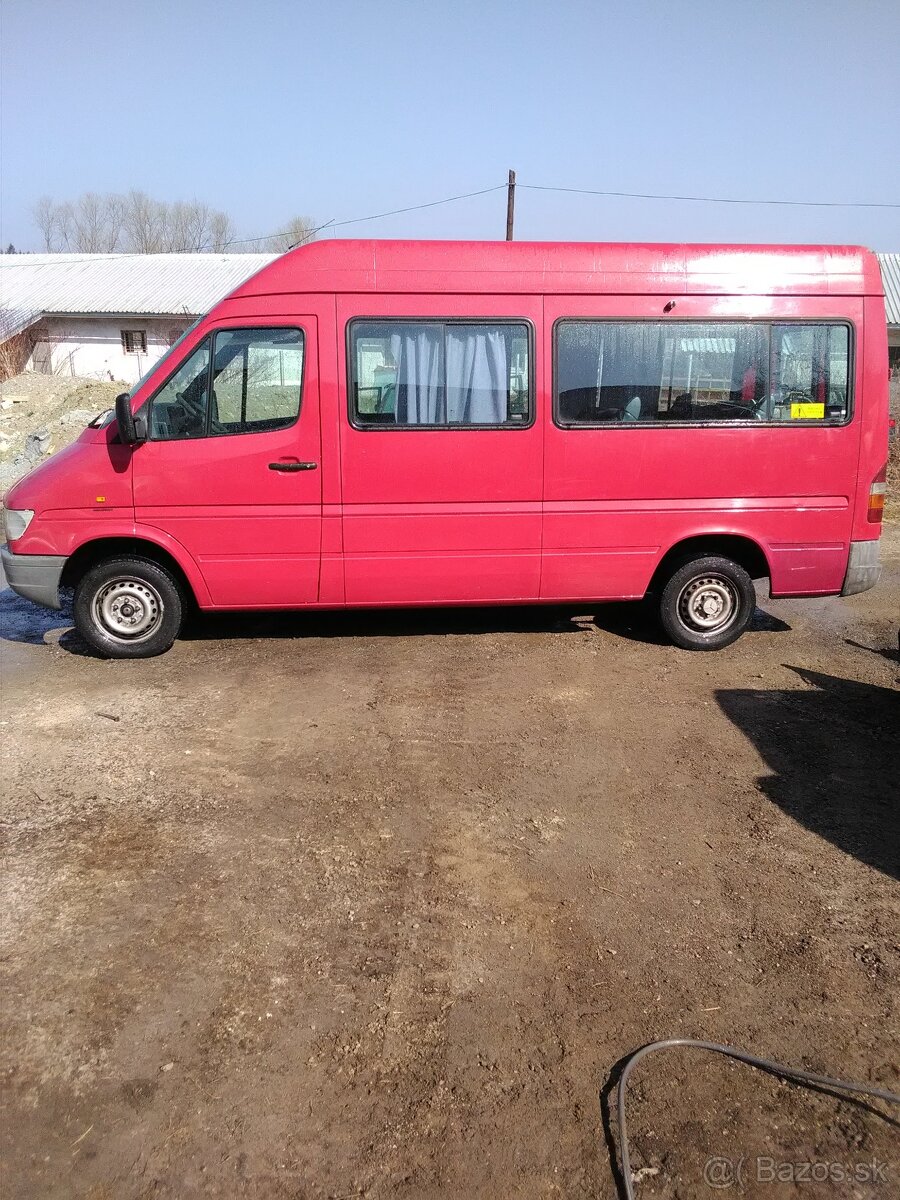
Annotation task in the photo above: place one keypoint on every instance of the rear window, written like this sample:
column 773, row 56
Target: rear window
column 439, row 374
column 655, row 372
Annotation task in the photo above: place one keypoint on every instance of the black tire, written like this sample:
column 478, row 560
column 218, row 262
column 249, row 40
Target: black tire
column 707, row 603
column 129, row 608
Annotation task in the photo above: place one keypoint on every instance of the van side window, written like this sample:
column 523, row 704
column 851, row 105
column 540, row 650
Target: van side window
column 257, row 375
column 810, row 372
column 655, row 372
column 413, row 374
column 251, row 384
column 179, row 409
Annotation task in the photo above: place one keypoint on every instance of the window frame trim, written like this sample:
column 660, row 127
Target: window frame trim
column 210, row 336
column 436, row 320
column 813, row 423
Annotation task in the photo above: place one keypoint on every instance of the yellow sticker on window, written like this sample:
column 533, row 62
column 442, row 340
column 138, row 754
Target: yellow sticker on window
column 807, row 412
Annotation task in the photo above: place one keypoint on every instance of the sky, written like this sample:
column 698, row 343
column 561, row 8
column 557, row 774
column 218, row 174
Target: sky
column 342, row 109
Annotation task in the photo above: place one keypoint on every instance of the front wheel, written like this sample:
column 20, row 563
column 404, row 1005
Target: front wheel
column 128, row 608
column 707, row 604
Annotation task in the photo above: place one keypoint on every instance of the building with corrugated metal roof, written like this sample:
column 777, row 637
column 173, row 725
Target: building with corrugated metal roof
column 107, row 316
column 890, row 277
column 112, row 316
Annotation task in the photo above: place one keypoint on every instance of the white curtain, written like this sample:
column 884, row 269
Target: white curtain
column 418, row 351
column 477, row 375
column 452, row 375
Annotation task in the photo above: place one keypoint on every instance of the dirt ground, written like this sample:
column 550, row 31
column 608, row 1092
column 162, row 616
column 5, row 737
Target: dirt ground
column 373, row 905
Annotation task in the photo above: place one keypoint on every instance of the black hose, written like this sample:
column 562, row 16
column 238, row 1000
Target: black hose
column 765, row 1064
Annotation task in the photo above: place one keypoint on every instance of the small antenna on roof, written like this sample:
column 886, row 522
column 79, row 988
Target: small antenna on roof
column 310, row 236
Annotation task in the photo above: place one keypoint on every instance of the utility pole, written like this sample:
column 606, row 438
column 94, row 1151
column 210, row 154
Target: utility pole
column 510, row 205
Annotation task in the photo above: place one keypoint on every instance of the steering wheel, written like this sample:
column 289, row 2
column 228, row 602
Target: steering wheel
column 759, row 408
column 191, row 414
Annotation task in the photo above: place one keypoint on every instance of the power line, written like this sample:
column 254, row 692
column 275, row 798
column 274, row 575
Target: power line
column 534, row 187
column 415, row 207
column 377, row 216
column 265, row 237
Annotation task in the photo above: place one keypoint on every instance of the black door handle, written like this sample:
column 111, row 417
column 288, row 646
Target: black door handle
column 293, row 466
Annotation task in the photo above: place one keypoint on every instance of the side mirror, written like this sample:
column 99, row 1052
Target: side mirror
column 128, row 430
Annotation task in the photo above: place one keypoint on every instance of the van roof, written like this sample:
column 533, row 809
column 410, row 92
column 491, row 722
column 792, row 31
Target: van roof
column 567, row 267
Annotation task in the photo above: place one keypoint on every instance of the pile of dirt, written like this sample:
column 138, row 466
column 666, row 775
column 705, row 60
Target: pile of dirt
column 43, row 413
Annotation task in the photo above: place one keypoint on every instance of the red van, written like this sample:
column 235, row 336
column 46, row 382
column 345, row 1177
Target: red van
column 365, row 424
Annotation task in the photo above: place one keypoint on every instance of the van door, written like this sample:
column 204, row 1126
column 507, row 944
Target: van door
column 231, row 465
column 441, row 447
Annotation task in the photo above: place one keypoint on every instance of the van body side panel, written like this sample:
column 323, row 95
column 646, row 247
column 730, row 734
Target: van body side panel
column 331, row 574
column 77, row 495
column 440, row 515
column 237, row 310
column 619, row 497
column 873, row 450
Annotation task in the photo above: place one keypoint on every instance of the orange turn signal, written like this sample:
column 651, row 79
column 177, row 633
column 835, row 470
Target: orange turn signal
column 876, row 496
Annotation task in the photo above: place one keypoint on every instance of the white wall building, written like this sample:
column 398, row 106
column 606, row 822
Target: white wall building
column 107, row 316
column 112, row 316
column 890, row 275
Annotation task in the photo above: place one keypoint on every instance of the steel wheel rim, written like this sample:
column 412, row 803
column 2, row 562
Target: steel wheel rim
column 128, row 610
column 708, row 604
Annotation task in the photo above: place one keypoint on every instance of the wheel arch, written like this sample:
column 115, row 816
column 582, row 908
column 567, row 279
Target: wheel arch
column 96, row 550
column 743, row 550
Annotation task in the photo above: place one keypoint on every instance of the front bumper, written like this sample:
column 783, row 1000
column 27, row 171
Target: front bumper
column 863, row 568
column 34, row 576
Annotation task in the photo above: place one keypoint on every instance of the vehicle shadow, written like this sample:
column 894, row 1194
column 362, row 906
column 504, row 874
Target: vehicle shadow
column 27, row 623
column 393, row 622
column 638, row 621
column 22, row 621
column 634, row 621
column 834, row 754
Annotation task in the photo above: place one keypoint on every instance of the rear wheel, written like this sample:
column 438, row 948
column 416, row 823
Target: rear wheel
column 128, row 608
column 707, row 603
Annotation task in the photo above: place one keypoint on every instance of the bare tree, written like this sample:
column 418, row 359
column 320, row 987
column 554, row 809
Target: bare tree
column 16, row 350
column 135, row 223
column 46, row 218
column 65, row 226
column 96, row 223
column 198, row 227
column 222, row 233
column 297, row 232
column 143, row 223
column 184, row 228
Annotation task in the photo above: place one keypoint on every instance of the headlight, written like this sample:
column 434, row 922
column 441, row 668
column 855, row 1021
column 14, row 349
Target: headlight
column 16, row 521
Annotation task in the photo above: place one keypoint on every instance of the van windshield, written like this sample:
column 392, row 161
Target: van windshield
column 161, row 362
